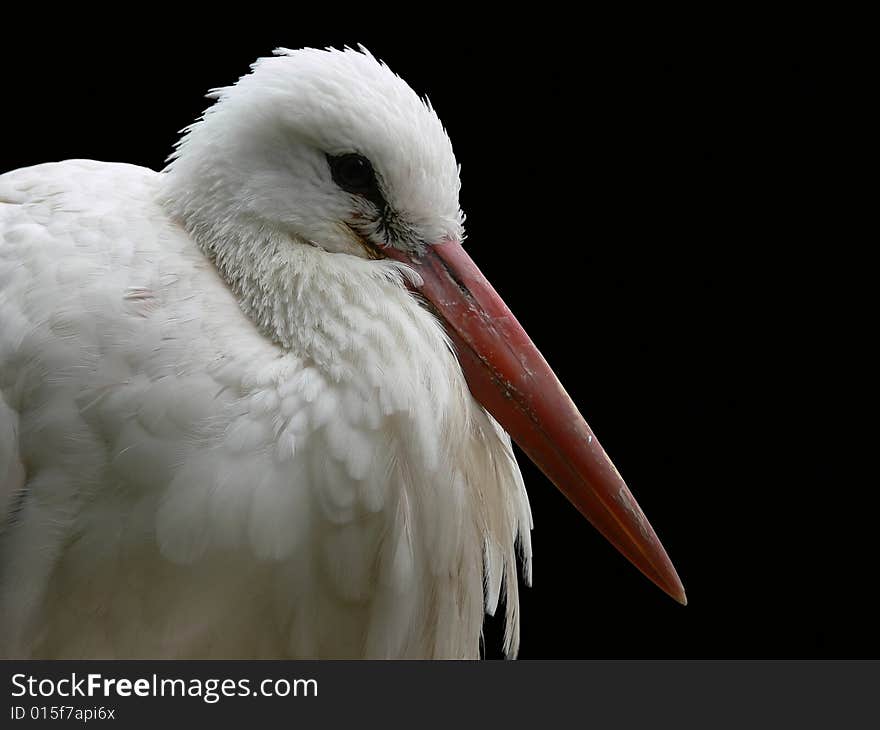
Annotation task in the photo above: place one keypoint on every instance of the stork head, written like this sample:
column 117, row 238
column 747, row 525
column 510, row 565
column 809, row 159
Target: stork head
column 330, row 148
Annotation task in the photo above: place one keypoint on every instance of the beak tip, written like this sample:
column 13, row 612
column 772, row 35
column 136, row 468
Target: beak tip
column 676, row 592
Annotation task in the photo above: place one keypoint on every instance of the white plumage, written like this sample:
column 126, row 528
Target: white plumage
column 227, row 431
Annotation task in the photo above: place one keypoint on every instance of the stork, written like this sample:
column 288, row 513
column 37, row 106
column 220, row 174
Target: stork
column 257, row 405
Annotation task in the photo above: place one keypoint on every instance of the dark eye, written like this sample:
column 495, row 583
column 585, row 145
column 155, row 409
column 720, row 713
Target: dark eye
column 354, row 174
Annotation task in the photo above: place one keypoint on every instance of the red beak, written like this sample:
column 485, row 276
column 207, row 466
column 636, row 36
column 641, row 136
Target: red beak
column 509, row 376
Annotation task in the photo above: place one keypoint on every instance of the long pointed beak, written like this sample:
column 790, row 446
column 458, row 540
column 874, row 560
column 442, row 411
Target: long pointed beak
column 508, row 375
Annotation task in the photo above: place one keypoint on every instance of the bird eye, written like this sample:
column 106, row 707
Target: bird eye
column 353, row 173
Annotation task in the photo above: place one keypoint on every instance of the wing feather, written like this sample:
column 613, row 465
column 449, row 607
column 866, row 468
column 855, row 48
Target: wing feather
column 193, row 489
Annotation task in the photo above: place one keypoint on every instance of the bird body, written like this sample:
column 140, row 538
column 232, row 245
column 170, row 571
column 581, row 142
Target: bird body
column 197, row 490
column 245, row 401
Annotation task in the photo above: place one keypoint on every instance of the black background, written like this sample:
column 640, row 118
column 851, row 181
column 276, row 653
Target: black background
column 657, row 212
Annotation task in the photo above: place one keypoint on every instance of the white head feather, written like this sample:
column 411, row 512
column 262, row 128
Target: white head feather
column 258, row 157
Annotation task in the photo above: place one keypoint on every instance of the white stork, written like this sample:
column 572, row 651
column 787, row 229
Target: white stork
column 245, row 401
